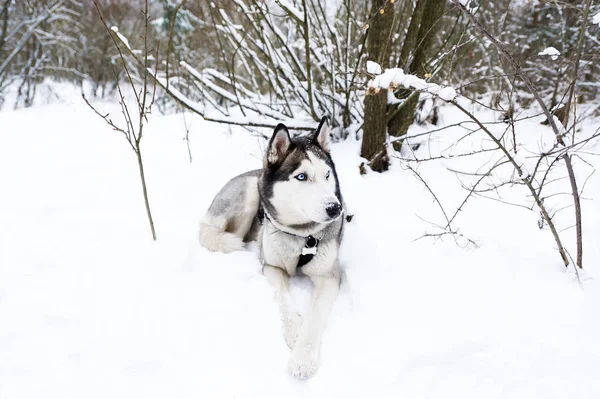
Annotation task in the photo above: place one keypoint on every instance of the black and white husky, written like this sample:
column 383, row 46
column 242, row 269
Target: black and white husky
column 293, row 208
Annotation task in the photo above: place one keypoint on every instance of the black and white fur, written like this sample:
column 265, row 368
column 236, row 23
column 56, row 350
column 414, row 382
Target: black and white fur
column 298, row 192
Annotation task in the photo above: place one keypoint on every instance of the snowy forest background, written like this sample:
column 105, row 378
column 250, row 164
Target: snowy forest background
column 256, row 63
column 466, row 135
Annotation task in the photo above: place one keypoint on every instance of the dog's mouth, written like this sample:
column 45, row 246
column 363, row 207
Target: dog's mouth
column 330, row 216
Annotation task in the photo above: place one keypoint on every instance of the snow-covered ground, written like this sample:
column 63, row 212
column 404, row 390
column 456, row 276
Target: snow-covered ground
column 91, row 307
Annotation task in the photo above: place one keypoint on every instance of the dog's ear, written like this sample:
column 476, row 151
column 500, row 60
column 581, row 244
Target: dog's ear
column 278, row 145
column 321, row 135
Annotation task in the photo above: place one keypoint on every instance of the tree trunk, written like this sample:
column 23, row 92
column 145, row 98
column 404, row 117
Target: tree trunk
column 429, row 25
column 3, row 30
column 378, row 50
column 375, row 132
column 410, row 41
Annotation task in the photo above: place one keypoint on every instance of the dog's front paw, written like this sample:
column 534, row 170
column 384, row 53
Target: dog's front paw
column 304, row 362
column 291, row 326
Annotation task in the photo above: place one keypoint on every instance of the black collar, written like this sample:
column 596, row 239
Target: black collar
column 310, row 248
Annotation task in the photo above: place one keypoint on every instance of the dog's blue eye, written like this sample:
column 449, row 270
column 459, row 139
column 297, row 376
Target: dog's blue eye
column 301, row 177
column 327, row 175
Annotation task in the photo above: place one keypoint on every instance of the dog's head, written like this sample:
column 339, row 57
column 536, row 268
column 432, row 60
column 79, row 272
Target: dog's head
column 299, row 185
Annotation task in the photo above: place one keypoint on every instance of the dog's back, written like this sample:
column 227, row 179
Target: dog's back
column 231, row 217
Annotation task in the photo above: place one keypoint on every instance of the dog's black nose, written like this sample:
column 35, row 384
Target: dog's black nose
column 333, row 209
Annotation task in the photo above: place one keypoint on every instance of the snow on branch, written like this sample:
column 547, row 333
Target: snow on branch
column 32, row 26
column 291, row 10
column 550, row 51
column 122, row 38
column 270, row 121
column 282, row 60
column 392, row 78
column 373, row 68
column 205, row 79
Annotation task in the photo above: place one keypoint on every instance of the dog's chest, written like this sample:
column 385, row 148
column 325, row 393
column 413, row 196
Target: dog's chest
column 281, row 249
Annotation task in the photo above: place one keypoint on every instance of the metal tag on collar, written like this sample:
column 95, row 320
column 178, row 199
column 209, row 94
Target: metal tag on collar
column 311, row 246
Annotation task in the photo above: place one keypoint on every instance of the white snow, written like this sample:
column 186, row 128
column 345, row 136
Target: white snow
column 447, row 93
column 551, row 51
column 393, row 77
column 373, row 68
column 596, row 19
column 90, row 307
column 463, row 2
column 121, row 37
column 289, row 7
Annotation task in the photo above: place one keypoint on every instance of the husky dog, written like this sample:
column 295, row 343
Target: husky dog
column 293, row 208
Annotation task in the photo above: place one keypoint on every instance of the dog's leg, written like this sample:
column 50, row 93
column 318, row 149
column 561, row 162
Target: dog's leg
column 305, row 356
column 291, row 320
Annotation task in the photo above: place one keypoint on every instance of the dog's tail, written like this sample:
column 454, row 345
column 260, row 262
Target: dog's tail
column 214, row 238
